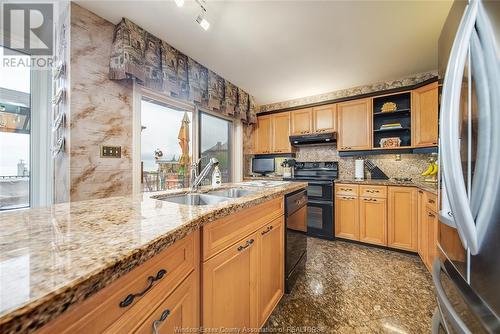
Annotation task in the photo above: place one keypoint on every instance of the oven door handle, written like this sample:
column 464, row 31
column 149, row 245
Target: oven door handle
column 312, row 201
column 320, row 183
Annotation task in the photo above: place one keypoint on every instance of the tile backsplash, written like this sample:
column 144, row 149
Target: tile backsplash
column 410, row 165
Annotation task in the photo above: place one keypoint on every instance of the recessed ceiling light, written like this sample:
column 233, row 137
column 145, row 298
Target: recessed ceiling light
column 179, row 3
column 202, row 22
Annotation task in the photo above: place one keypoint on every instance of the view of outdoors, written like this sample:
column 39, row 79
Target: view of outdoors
column 215, row 138
column 14, row 136
column 166, row 146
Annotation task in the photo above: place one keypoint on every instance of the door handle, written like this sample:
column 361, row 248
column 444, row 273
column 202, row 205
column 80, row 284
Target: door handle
column 268, row 229
column 151, row 279
column 164, row 315
column 248, row 244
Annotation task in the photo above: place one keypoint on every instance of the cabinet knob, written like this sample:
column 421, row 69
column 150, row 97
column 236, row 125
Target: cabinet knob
column 431, row 201
column 268, row 229
column 430, row 214
column 164, row 315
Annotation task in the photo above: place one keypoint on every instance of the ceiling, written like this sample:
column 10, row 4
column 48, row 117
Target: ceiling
column 280, row 50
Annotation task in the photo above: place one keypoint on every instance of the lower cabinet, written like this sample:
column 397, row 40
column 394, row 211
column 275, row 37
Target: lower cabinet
column 402, row 218
column 229, row 285
column 178, row 311
column 244, row 282
column 271, row 267
column 428, row 225
column 346, row 217
column 373, row 220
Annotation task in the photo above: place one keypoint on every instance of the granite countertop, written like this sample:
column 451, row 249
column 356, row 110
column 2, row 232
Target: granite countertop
column 426, row 186
column 53, row 257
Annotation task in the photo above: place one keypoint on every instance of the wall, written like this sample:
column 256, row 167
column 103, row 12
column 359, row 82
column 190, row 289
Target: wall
column 100, row 112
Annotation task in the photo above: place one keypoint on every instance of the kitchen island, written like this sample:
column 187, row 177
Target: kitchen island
column 54, row 259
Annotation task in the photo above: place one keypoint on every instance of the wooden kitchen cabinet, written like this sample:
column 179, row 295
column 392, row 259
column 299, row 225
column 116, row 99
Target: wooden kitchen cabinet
column 179, row 310
column 271, row 245
column 263, row 135
column 230, row 282
column 281, row 133
column 428, row 225
column 402, row 218
column 301, row 121
column 422, row 243
column 373, row 220
column 354, row 125
column 346, row 217
column 432, row 236
column 425, row 116
column 325, row 118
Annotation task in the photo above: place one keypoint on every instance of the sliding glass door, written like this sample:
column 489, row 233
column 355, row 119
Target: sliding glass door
column 216, row 142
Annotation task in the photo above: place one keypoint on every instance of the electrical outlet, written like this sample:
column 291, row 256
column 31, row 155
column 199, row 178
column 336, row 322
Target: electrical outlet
column 111, row 151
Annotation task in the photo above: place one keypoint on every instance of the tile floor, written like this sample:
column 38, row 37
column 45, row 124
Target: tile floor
column 351, row 288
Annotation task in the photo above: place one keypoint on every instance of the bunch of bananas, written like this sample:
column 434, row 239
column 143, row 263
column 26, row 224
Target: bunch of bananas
column 431, row 170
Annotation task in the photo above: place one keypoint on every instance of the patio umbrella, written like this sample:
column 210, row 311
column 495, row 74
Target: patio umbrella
column 183, row 137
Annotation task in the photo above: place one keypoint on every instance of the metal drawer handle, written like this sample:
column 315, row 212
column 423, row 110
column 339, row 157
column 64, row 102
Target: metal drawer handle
column 163, row 316
column 151, row 279
column 430, row 214
column 268, row 229
column 432, row 201
column 248, row 244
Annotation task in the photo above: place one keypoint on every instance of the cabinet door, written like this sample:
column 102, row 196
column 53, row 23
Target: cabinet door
column 373, row 220
column 325, row 118
column 432, row 236
column 402, row 211
column 425, row 115
column 229, row 287
column 178, row 311
column 263, row 135
column 422, row 227
column 346, row 217
column 271, row 267
column 301, row 121
column 354, row 125
column 281, row 133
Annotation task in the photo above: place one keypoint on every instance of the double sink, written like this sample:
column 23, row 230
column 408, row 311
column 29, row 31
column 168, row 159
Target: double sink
column 208, row 198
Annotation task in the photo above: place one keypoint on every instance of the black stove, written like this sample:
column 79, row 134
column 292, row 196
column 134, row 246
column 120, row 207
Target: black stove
column 320, row 207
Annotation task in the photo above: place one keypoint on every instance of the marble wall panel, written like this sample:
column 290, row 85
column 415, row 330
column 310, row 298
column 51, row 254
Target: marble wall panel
column 101, row 112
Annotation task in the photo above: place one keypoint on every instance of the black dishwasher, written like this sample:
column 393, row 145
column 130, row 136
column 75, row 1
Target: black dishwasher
column 295, row 238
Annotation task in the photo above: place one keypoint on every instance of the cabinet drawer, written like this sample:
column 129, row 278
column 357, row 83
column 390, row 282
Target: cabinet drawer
column 431, row 201
column 373, row 191
column 135, row 294
column 178, row 311
column 346, row 189
column 224, row 232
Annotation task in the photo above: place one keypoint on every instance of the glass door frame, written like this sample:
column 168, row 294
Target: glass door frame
column 231, row 136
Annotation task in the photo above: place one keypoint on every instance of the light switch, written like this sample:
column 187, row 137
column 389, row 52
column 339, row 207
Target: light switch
column 111, row 151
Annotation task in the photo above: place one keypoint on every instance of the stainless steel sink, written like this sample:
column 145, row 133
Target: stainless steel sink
column 195, row 199
column 232, row 192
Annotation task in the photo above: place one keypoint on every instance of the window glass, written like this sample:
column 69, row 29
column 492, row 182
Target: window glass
column 166, row 146
column 15, row 132
column 215, row 142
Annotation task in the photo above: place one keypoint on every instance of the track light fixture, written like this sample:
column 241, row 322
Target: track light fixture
column 201, row 18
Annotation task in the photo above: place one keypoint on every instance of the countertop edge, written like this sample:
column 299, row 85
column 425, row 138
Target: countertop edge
column 41, row 311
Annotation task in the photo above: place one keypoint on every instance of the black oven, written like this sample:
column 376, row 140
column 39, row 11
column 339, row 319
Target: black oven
column 320, row 205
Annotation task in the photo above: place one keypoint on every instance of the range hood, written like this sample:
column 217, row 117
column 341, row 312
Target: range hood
column 314, row 139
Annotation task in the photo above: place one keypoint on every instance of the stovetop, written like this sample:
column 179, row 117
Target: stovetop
column 312, row 171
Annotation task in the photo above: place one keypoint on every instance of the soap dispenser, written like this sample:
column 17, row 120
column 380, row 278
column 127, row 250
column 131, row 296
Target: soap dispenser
column 216, row 177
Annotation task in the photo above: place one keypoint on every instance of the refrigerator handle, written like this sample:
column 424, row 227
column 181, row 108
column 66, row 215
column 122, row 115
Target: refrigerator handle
column 450, row 134
column 444, row 304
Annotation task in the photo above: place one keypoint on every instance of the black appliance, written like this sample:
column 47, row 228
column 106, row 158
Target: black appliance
column 320, row 204
column 313, row 139
column 295, row 238
column 262, row 165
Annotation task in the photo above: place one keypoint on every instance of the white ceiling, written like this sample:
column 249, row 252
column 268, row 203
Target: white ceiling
column 280, row 50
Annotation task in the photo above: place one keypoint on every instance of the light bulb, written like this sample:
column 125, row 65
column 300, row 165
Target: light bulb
column 202, row 22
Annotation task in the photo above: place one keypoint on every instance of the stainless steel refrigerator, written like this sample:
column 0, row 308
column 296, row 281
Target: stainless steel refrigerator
column 466, row 273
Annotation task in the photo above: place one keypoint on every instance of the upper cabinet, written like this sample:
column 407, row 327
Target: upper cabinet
column 281, row 133
column 301, row 121
column 263, row 135
column 272, row 134
column 325, row 118
column 354, row 125
column 425, row 115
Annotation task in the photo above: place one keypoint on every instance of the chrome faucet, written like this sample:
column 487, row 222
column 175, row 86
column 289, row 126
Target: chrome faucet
column 197, row 179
